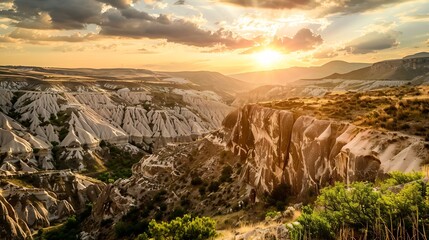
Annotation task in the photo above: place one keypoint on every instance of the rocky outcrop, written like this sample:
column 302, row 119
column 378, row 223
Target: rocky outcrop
column 40, row 199
column 12, row 227
column 33, row 121
column 169, row 172
column 278, row 146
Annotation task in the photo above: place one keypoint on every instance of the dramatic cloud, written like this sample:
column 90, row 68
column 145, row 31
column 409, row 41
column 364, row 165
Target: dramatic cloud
column 135, row 24
column 66, row 14
column 303, row 40
column 372, row 42
column 37, row 36
column 327, row 7
column 121, row 21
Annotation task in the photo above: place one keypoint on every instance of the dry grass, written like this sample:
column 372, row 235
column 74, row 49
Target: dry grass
column 403, row 109
column 386, row 231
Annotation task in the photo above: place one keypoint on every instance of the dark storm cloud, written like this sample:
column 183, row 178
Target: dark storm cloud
column 65, row 14
column 137, row 24
column 303, row 40
column 372, row 42
column 327, row 7
column 121, row 21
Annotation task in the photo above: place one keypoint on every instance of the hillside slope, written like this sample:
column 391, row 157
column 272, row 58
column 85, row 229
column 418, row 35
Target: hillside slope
column 285, row 76
column 407, row 68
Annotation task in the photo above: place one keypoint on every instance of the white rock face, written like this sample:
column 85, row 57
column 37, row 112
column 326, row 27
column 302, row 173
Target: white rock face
column 11, row 143
column 308, row 153
column 78, row 116
column 12, row 227
column 37, row 106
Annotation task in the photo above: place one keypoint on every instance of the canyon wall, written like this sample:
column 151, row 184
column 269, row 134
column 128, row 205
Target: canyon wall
column 278, row 146
column 31, row 201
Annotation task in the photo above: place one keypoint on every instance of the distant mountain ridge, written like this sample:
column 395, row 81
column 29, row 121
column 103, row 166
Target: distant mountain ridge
column 407, row 68
column 410, row 70
column 418, row 55
column 287, row 75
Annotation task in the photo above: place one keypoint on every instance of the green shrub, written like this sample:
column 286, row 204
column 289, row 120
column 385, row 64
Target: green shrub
column 365, row 211
column 396, row 178
column 142, row 236
column 69, row 230
column 272, row 214
column 119, row 164
column 183, row 228
column 311, row 226
column 356, row 206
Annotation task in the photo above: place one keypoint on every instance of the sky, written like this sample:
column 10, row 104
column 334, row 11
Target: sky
column 228, row 36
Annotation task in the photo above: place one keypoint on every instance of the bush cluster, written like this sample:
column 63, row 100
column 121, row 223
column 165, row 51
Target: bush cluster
column 185, row 228
column 367, row 211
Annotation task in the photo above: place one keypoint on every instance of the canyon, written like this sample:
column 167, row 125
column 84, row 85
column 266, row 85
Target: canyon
column 194, row 147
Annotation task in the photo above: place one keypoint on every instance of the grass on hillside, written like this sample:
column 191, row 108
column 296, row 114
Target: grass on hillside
column 403, row 109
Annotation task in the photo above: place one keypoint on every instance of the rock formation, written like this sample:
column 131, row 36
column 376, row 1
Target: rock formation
column 12, row 227
column 279, row 146
column 36, row 200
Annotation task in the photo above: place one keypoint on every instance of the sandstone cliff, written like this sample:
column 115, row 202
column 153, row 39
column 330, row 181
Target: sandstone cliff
column 36, row 200
column 278, row 146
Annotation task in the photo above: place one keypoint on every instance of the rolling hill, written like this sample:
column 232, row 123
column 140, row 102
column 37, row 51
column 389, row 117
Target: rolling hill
column 287, row 75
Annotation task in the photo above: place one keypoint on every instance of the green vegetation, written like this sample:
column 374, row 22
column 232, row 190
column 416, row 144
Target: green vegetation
column 60, row 119
column 184, row 228
column 119, row 164
column 68, row 231
column 272, row 214
column 367, row 211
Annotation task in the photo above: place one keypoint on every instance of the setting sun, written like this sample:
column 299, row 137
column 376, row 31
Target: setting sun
column 268, row 57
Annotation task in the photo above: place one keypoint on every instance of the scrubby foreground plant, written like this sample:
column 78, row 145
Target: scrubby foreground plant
column 396, row 208
column 184, row 228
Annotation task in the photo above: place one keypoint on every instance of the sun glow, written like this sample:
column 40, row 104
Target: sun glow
column 268, row 57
